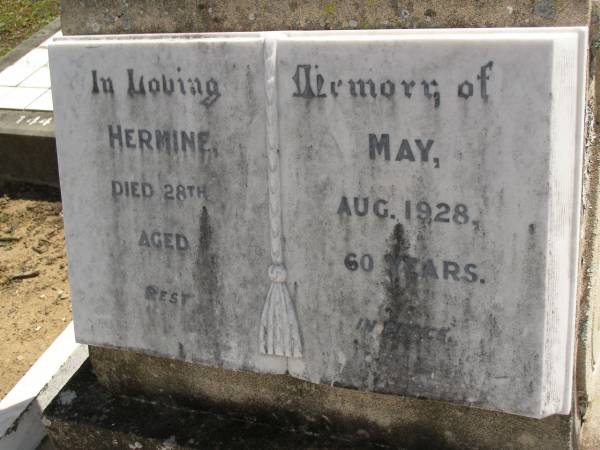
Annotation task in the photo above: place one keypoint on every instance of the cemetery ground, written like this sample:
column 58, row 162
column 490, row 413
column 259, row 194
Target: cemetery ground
column 34, row 291
column 20, row 18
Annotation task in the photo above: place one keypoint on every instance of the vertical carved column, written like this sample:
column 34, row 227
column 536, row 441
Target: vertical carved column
column 279, row 332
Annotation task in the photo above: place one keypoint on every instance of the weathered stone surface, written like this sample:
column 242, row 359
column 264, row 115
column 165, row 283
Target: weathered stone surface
column 165, row 194
column 399, row 186
column 143, row 16
column 429, row 202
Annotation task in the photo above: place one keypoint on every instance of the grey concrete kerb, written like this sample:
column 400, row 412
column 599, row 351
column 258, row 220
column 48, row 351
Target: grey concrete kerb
column 21, row 425
column 29, row 44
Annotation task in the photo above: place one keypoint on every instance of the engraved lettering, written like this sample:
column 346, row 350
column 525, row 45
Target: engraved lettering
column 302, row 80
column 379, row 146
column 107, row 84
column 465, row 90
column 405, row 152
column 164, row 240
column 115, row 134
column 435, row 94
column 483, row 77
column 136, row 86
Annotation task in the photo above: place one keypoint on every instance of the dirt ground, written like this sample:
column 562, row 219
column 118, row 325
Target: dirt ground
column 34, row 292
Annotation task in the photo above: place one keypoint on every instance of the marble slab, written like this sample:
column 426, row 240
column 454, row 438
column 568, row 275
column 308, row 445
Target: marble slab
column 162, row 164
column 392, row 211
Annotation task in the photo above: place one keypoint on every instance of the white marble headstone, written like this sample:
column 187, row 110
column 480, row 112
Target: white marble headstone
column 394, row 211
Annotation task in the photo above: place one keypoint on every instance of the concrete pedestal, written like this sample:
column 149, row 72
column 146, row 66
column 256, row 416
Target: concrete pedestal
column 139, row 401
column 123, row 397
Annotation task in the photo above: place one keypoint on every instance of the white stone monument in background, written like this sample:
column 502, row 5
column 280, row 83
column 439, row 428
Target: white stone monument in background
column 389, row 211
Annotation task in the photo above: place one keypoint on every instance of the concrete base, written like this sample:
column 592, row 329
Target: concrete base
column 280, row 402
column 85, row 415
column 27, row 147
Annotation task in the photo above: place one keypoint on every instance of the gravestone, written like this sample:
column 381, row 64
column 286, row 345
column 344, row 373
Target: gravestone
column 395, row 212
column 431, row 212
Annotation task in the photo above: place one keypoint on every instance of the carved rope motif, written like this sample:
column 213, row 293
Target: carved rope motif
column 279, row 332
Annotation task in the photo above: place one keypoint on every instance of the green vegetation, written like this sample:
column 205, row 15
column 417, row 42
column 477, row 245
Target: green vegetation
column 19, row 19
column 329, row 8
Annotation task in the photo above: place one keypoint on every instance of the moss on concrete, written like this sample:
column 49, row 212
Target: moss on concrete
column 21, row 18
column 149, row 16
column 290, row 403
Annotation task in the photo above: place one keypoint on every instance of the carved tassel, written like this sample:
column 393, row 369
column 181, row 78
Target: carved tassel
column 279, row 332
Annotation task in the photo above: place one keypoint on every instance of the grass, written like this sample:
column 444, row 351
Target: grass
column 19, row 19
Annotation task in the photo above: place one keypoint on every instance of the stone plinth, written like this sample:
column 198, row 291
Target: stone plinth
column 268, row 411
